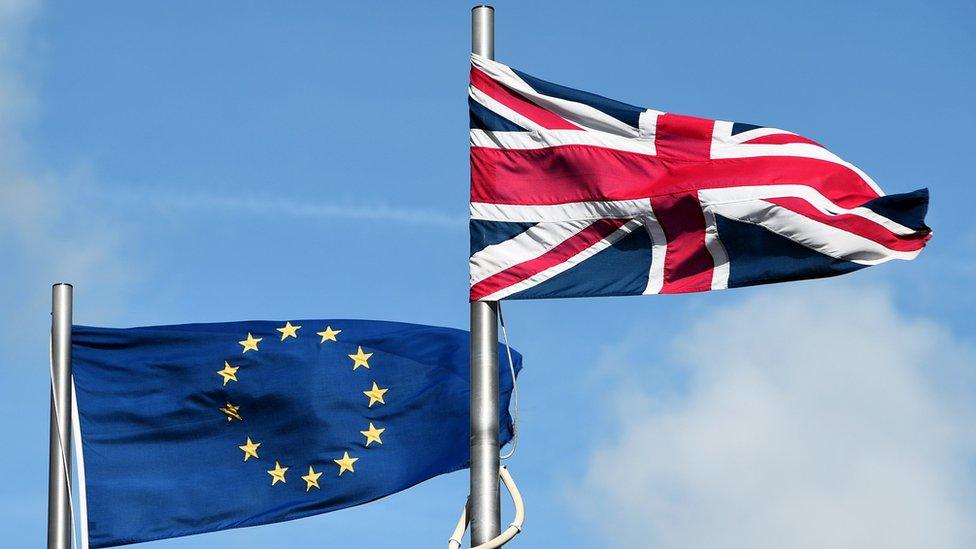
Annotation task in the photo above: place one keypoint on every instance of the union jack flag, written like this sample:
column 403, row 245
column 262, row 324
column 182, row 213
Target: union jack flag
column 574, row 195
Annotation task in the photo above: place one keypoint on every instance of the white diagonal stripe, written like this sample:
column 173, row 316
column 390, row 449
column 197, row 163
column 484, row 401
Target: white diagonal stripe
column 491, row 104
column 809, row 194
column 528, row 245
column 824, row 238
column 580, row 257
column 577, row 113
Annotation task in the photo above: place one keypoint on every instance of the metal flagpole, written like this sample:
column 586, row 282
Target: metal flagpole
column 59, row 470
column 485, row 505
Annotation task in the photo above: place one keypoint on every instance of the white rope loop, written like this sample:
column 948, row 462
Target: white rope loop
column 513, row 529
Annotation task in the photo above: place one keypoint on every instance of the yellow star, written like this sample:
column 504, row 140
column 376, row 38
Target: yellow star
column 250, row 449
column 251, row 343
column 375, row 395
column 288, row 331
column 229, row 373
column 345, row 464
column 278, row 473
column 311, row 479
column 231, row 412
column 329, row 334
column 360, row 359
column 373, row 434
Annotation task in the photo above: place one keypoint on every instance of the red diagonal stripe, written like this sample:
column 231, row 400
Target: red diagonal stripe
column 518, row 103
column 857, row 225
column 575, row 244
column 781, row 139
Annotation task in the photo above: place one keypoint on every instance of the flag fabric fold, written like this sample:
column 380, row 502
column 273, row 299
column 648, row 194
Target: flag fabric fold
column 576, row 195
column 201, row 427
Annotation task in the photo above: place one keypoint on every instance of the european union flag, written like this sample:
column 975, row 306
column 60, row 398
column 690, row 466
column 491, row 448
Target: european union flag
column 201, row 427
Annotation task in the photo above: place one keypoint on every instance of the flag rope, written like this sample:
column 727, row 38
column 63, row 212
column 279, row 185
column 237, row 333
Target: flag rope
column 515, row 402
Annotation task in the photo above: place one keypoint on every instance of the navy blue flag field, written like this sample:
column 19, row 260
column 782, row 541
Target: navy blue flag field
column 200, row 427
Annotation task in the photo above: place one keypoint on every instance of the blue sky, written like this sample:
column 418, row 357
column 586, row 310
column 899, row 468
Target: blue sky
column 181, row 162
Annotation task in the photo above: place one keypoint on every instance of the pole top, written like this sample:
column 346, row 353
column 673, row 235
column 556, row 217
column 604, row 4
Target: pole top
column 486, row 6
column 62, row 284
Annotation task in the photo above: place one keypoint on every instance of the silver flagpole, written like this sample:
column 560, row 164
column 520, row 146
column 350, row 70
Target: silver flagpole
column 59, row 471
column 485, row 505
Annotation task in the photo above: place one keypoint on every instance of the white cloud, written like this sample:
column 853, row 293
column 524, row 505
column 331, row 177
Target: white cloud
column 16, row 101
column 811, row 419
column 65, row 226
column 49, row 231
column 200, row 202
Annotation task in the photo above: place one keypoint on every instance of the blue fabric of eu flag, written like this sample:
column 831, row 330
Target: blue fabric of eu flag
column 200, row 427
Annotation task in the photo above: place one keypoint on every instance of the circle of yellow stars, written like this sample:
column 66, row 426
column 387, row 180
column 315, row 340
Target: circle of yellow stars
column 375, row 395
